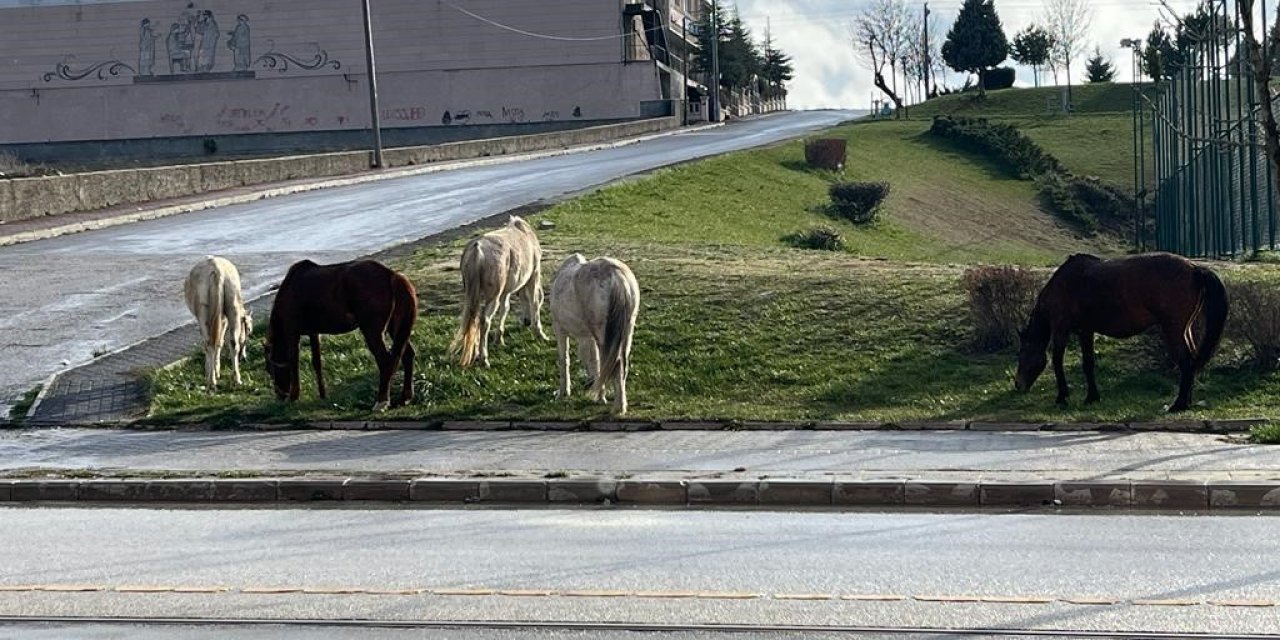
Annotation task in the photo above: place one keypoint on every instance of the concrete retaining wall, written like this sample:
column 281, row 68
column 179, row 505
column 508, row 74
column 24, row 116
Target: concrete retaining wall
column 27, row 198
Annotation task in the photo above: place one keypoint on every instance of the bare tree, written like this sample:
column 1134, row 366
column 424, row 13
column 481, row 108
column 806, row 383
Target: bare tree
column 1068, row 22
column 880, row 36
column 1258, row 52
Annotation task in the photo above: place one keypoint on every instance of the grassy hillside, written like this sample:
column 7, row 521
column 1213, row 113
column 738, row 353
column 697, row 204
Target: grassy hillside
column 1096, row 140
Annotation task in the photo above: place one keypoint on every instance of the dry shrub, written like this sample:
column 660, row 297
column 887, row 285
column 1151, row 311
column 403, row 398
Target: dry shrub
column 1000, row 301
column 826, row 153
column 1255, row 320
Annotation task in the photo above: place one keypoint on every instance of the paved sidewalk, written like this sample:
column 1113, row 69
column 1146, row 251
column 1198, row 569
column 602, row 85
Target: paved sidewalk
column 866, row 454
column 772, row 469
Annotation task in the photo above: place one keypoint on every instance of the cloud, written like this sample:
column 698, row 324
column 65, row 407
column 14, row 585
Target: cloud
column 814, row 33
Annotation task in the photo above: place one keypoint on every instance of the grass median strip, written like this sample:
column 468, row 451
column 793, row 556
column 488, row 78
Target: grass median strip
column 736, row 326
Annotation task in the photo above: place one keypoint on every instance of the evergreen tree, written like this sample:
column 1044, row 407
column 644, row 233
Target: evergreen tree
column 1031, row 47
column 1098, row 68
column 976, row 41
column 776, row 70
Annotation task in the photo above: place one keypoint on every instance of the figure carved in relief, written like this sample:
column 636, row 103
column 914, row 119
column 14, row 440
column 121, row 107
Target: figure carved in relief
column 207, row 31
column 146, row 48
column 238, row 43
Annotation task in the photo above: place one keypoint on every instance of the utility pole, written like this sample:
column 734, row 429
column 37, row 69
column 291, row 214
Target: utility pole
column 715, row 61
column 375, row 119
column 927, row 62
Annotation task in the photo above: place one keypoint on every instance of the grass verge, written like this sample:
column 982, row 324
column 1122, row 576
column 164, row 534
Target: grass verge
column 735, row 325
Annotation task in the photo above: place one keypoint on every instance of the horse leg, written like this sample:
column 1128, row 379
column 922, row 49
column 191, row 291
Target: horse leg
column 589, row 352
column 210, row 367
column 294, row 378
column 533, row 307
column 213, row 361
column 486, row 323
column 1059, row 349
column 1173, row 341
column 406, row 361
column 503, row 309
column 620, row 388
column 237, row 342
column 562, row 359
column 1090, row 362
column 315, row 363
column 386, row 366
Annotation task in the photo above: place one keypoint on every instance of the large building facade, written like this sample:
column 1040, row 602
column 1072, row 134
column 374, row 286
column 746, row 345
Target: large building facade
column 166, row 77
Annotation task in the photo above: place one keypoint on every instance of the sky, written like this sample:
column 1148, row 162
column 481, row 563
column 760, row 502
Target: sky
column 814, row 33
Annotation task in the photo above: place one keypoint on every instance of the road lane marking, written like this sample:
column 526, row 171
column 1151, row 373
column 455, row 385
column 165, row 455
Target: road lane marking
column 653, row 595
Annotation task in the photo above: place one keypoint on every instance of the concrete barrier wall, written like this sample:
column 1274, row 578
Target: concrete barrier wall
column 27, row 198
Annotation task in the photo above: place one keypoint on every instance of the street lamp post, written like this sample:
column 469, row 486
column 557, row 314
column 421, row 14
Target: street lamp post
column 715, row 61
column 375, row 120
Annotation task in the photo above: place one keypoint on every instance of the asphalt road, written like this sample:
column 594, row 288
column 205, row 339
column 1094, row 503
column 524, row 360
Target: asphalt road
column 919, row 570
column 65, row 299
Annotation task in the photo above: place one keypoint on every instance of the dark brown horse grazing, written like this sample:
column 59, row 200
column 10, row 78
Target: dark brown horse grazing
column 339, row 298
column 1122, row 298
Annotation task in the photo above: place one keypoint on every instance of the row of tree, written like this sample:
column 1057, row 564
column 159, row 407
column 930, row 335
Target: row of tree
column 744, row 64
column 887, row 33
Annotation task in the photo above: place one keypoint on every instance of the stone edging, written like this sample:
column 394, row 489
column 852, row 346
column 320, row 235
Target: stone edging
column 780, row 493
column 606, row 426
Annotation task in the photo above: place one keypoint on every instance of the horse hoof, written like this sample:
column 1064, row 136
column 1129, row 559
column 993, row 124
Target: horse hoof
column 379, row 407
column 1092, row 399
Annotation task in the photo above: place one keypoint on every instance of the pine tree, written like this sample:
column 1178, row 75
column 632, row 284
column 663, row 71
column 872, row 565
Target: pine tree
column 976, row 41
column 776, row 70
column 1098, row 68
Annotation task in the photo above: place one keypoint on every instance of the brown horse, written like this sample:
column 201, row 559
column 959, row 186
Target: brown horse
column 1121, row 298
column 340, row 298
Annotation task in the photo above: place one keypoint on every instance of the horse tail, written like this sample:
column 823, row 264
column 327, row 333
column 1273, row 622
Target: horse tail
column 1214, row 305
column 467, row 341
column 215, row 307
column 404, row 311
column 618, row 329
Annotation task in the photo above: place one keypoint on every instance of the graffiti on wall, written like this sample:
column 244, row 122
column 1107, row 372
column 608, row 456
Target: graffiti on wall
column 190, row 52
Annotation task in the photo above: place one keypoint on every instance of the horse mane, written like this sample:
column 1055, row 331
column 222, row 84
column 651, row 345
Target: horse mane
column 1037, row 329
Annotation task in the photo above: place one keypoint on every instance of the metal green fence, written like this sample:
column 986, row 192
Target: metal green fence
column 1214, row 194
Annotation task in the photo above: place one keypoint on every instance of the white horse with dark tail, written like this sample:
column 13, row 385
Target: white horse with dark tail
column 213, row 296
column 496, row 266
column 596, row 304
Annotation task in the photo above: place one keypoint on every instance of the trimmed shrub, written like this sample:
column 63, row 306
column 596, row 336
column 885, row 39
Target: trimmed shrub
column 1000, row 302
column 1058, row 194
column 1255, row 320
column 999, row 78
column 822, row 238
column 858, row 202
column 1002, row 143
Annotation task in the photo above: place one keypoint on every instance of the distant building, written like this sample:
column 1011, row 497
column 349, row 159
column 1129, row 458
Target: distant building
column 179, row 77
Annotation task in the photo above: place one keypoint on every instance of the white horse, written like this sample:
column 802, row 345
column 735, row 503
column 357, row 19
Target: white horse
column 496, row 266
column 596, row 303
column 213, row 296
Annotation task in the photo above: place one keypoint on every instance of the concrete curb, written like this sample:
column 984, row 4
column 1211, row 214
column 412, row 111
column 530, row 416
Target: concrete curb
column 213, row 200
column 766, row 493
column 631, row 426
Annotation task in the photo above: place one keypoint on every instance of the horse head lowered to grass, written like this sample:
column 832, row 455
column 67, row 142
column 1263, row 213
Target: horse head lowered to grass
column 1121, row 298
column 339, row 298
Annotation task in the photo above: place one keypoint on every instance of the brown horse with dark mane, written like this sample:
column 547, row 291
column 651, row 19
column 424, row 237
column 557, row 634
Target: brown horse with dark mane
column 1121, row 298
column 339, row 298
